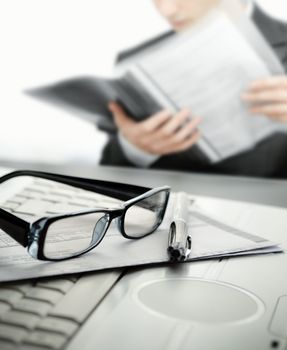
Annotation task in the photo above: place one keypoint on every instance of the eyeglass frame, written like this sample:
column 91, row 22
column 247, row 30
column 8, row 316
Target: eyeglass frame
column 33, row 235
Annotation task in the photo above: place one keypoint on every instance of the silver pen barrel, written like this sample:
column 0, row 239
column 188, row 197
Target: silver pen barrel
column 179, row 245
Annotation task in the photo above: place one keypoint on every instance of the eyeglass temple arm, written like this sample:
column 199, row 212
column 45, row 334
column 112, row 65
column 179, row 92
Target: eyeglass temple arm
column 113, row 189
column 15, row 227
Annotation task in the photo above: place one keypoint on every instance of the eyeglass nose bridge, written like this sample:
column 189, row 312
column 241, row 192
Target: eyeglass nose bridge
column 100, row 229
column 119, row 219
column 103, row 224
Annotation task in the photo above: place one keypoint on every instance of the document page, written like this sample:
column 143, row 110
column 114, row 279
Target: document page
column 210, row 238
column 206, row 69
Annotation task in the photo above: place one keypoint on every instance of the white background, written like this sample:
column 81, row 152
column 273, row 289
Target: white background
column 45, row 40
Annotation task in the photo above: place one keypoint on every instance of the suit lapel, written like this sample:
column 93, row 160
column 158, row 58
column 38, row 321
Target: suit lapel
column 273, row 30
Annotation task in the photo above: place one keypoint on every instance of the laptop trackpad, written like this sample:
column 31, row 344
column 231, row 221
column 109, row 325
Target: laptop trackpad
column 200, row 301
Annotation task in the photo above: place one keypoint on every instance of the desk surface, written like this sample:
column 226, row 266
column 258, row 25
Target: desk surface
column 255, row 190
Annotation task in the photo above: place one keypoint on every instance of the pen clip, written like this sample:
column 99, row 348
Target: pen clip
column 172, row 233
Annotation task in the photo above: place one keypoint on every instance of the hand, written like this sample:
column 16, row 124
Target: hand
column 269, row 97
column 161, row 133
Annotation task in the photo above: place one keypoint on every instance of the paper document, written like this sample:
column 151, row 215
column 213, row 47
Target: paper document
column 210, row 237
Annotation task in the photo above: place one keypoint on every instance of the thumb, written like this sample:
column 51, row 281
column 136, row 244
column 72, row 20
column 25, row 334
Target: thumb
column 121, row 119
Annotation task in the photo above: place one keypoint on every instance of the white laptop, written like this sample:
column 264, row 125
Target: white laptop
column 238, row 303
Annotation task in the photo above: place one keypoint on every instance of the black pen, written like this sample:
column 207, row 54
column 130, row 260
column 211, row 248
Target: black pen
column 179, row 242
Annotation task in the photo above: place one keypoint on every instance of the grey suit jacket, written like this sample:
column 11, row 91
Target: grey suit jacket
column 268, row 159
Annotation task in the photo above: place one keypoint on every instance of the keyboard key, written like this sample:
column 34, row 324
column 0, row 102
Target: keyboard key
column 24, row 195
column 34, row 207
column 21, row 319
column 73, row 278
column 62, row 208
column 10, row 296
column 80, row 203
column 26, row 217
column 30, row 194
column 58, row 208
column 22, row 287
column 47, row 339
column 52, row 198
column 58, row 185
column 6, row 345
column 33, row 306
column 61, row 285
column 36, row 190
column 6, row 241
column 44, row 294
column 43, row 185
column 67, row 193
column 4, row 307
column 58, row 325
column 88, row 292
column 16, row 200
column 29, row 347
column 10, row 205
column 12, row 333
column 88, row 197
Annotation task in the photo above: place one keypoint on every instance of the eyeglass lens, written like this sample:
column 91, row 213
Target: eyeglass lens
column 69, row 236
column 145, row 216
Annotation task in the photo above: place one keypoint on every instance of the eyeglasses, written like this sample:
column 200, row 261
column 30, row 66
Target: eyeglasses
column 139, row 215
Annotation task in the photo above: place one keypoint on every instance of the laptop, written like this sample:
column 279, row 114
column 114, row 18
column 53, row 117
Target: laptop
column 237, row 303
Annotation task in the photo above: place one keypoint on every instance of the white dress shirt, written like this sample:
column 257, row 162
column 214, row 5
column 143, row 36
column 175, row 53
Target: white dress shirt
column 142, row 158
column 135, row 155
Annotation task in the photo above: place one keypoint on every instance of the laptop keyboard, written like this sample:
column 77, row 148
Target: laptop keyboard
column 46, row 313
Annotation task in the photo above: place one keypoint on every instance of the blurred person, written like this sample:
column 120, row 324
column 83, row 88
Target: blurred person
column 167, row 142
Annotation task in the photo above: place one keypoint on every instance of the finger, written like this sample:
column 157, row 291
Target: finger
column 121, row 119
column 266, row 96
column 174, row 123
column 171, row 146
column 115, row 107
column 155, row 121
column 186, row 131
column 271, row 82
column 183, row 146
column 281, row 118
column 161, row 142
column 271, row 110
